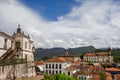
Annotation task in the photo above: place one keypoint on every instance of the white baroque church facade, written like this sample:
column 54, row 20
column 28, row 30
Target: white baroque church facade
column 18, row 46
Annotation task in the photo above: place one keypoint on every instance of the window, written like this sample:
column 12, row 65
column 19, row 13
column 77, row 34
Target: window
column 49, row 71
column 46, row 66
column 49, row 66
column 60, row 71
column 17, row 45
column 53, row 66
column 46, row 71
column 52, row 71
column 5, row 43
column 29, row 45
column 25, row 45
column 59, row 66
column 56, row 72
column 68, row 73
column 56, row 66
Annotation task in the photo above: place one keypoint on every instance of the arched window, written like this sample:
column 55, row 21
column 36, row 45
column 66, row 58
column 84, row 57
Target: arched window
column 5, row 43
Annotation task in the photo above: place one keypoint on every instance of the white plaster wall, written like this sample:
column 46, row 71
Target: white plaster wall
column 30, row 56
column 66, row 64
column 2, row 52
column 19, row 39
column 2, row 45
column 28, row 44
column 8, row 43
column 1, row 42
column 63, row 65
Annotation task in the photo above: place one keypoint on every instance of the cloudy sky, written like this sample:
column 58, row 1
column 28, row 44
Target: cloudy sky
column 64, row 23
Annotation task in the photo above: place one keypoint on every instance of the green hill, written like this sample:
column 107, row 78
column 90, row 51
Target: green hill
column 41, row 53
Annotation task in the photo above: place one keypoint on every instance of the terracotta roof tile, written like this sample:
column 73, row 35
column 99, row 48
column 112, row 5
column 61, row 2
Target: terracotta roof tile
column 72, row 67
column 96, row 77
column 39, row 63
column 82, row 72
column 97, row 54
column 58, row 59
column 90, row 54
column 76, row 62
column 108, row 76
column 117, row 76
column 112, row 69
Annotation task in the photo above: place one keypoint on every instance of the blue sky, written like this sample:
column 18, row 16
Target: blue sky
column 50, row 9
column 64, row 23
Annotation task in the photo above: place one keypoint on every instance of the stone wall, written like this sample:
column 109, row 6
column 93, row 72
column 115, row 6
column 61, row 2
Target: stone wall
column 11, row 72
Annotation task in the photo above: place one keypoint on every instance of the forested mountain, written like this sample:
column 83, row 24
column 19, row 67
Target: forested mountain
column 44, row 53
column 41, row 53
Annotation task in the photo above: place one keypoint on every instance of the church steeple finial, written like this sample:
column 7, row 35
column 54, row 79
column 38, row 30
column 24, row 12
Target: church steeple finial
column 19, row 29
column 66, row 52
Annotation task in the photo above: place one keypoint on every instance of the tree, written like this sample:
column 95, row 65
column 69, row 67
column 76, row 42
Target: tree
column 102, row 76
column 116, row 59
column 58, row 77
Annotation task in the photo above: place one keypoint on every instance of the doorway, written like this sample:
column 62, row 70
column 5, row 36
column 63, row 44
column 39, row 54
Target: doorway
column 17, row 45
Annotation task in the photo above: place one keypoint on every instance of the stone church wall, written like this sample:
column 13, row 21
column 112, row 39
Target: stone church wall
column 11, row 72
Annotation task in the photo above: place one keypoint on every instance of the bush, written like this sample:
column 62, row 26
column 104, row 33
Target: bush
column 58, row 77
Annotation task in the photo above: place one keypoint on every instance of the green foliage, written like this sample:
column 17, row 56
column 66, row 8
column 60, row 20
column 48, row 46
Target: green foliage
column 116, row 52
column 102, row 76
column 12, row 61
column 116, row 59
column 81, row 56
column 57, row 77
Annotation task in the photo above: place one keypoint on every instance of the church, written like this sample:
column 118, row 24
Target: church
column 19, row 47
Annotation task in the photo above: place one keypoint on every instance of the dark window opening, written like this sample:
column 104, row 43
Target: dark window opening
column 46, row 65
column 68, row 73
column 59, row 66
column 49, row 66
column 56, row 72
column 53, row 66
column 56, row 66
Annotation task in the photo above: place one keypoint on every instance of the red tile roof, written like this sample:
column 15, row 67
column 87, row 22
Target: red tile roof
column 97, row 54
column 58, row 59
column 117, row 77
column 72, row 67
column 112, row 69
column 108, row 76
column 90, row 54
column 76, row 62
column 96, row 77
column 39, row 63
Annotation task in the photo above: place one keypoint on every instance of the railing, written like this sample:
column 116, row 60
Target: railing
column 12, row 61
column 5, row 53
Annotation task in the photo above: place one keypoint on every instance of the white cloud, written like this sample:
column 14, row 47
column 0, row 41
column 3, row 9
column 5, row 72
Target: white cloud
column 94, row 22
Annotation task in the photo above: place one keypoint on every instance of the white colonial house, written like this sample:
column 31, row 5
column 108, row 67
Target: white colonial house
column 83, row 74
column 99, row 57
column 71, row 70
column 20, row 46
column 56, row 65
